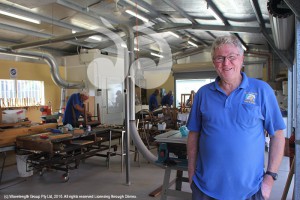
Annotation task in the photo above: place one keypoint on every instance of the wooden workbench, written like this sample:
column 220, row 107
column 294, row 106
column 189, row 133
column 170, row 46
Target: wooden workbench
column 64, row 151
column 8, row 135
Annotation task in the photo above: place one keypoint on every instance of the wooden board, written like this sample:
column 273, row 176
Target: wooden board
column 37, row 143
column 48, row 136
column 82, row 142
column 8, row 136
column 60, row 136
column 26, row 123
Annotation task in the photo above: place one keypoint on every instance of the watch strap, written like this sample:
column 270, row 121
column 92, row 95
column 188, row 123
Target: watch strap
column 274, row 175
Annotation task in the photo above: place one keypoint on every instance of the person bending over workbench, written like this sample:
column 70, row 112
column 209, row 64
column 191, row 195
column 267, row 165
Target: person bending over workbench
column 76, row 103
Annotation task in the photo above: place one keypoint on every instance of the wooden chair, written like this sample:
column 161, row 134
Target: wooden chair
column 92, row 122
column 86, row 120
column 143, row 126
column 288, row 181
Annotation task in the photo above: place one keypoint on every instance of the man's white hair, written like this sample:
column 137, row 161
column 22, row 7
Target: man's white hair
column 84, row 92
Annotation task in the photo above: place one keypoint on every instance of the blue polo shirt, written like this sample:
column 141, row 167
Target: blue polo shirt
column 167, row 99
column 68, row 115
column 153, row 104
column 230, row 161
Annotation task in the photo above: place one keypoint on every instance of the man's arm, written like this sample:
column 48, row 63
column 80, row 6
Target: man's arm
column 192, row 151
column 81, row 110
column 277, row 143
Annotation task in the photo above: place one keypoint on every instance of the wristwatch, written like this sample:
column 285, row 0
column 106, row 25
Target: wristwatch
column 274, row 175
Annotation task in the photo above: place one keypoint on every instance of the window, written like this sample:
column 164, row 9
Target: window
column 187, row 85
column 20, row 93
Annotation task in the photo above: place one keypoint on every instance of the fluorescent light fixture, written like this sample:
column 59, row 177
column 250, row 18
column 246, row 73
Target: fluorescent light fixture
column 216, row 16
column 125, row 46
column 20, row 17
column 174, row 34
column 137, row 15
column 244, row 47
column 136, row 5
column 96, row 37
column 193, row 44
column 83, row 24
column 157, row 55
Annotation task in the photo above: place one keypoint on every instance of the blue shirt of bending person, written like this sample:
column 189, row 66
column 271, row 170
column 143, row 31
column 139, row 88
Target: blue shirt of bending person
column 167, row 100
column 153, row 104
column 75, row 102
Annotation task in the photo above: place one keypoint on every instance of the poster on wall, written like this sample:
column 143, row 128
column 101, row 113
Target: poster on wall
column 13, row 73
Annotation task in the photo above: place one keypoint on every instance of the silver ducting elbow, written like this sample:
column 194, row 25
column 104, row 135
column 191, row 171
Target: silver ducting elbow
column 50, row 60
column 140, row 144
column 54, row 69
column 282, row 22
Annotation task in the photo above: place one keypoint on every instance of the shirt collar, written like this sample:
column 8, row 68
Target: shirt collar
column 243, row 84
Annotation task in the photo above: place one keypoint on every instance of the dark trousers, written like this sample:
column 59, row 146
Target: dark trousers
column 197, row 194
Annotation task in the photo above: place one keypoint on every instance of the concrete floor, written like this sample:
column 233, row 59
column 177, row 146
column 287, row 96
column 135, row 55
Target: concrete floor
column 94, row 178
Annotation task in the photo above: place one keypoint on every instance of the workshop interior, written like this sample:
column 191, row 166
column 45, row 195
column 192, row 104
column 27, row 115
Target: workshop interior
column 118, row 53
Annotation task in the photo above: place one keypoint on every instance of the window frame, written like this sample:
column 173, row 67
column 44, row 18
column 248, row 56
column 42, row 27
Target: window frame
column 33, row 96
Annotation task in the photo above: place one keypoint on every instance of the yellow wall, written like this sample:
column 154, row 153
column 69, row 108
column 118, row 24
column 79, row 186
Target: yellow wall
column 34, row 71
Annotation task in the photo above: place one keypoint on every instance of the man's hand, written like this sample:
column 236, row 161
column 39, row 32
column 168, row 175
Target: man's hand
column 89, row 114
column 266, row 186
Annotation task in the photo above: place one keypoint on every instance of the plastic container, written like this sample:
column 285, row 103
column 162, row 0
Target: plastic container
column 161, row 126
column 13, row 116
column 184, row 131
column 148, row 126
column 22, row 166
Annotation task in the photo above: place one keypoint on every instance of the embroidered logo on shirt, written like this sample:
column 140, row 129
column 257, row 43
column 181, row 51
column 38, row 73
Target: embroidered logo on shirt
column 250, row 97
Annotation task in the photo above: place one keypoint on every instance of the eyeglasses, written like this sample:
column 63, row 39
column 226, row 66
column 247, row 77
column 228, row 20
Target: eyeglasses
column 221, row 59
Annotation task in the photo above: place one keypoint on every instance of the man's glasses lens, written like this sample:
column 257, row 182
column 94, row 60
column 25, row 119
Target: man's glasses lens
column 220, row 59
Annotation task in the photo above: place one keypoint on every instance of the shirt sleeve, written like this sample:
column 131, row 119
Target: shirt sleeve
column 194, row 121
column 273, row 117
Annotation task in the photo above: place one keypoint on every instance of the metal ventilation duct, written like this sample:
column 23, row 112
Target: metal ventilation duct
column 282, row 22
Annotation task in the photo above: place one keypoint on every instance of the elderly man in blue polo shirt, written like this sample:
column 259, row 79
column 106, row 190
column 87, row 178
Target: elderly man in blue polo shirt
column 227, row 123
column 75, row 104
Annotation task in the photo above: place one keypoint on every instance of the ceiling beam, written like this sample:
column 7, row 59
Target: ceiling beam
column 260, row 21
column 217, row 11
column 225, row 21
column 294, row 5
column 181, row 11
column 51, row 40
column 74, row 6
column 147, row 6
column 163, row 27
column 34, row 33
column 40, row 17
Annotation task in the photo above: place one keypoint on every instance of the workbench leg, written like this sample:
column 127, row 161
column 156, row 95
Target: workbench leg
column 3, row 163
column 179, row 174
column 165, row 186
